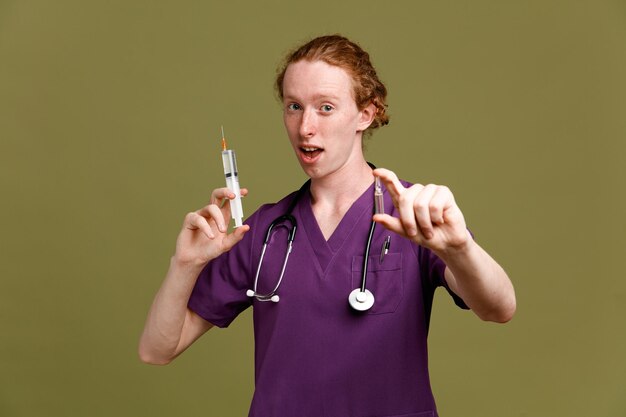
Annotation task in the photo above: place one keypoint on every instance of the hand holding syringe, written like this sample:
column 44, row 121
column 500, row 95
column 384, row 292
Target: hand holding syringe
column 232, row 181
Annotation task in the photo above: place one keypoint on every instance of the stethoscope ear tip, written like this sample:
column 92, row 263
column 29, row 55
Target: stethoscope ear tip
column 274, row 298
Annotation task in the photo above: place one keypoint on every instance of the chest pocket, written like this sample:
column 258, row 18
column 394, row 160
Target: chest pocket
column 384, row 280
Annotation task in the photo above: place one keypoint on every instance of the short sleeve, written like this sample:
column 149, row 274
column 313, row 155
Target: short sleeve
column 434, row 269
column 219, row 295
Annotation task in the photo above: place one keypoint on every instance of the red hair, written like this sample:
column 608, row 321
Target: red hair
column 338, row 51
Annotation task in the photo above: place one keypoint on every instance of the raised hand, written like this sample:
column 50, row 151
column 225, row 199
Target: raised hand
column 428, row 214
column 204, row 235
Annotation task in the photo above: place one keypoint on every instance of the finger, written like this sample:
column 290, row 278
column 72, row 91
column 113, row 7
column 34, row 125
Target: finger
column 392, row 183
column 390, row 223
column 195, row 221
column 218, row 217
column 422, row 207
column 213, row 211
column 233, row 238
column 406, row 209
column 226, row 213
column 395, row 225
column 220, row 194
column 441, row 201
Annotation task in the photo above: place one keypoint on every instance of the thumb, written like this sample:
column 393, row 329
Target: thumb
column 233, row 238
column 391, row 223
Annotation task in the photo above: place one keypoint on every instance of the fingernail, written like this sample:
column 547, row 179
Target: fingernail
column 428, row 235
column 412, row 232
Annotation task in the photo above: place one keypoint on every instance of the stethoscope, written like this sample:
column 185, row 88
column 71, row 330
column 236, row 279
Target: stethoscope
column 360, row 299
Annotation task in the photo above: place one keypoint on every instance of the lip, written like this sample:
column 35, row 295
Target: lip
column 309, row 158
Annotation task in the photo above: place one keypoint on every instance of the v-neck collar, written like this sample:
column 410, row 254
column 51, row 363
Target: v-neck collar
column 324, row 249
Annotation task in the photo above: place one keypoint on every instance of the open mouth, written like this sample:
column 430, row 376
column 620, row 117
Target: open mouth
column 310, row 152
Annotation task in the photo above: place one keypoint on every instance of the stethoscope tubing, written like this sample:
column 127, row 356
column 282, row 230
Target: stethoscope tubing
column 367, row 255
column 292, row 234
column 360, row 299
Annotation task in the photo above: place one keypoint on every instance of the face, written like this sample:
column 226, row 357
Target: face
column 323, row 123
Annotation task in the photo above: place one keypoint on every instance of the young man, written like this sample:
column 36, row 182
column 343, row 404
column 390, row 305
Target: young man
column 314, row 354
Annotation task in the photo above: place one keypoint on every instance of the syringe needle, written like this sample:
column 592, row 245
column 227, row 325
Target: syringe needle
column 223, row 139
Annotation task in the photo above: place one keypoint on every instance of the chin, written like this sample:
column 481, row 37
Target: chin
column 311, row 172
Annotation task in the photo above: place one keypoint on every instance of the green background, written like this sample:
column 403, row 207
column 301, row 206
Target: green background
column 109, row 133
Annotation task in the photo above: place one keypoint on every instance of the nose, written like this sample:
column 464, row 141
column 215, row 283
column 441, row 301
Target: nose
column 307, row 124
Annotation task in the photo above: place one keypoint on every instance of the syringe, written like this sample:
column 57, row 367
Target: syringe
column 379, row 203
column 232, row 181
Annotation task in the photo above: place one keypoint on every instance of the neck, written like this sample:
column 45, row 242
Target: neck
column 343, row 187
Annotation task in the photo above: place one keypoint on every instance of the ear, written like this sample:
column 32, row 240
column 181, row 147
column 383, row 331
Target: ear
column 366, row 117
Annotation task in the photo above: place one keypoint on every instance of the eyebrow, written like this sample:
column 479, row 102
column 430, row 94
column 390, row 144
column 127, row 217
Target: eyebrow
column 315, row 97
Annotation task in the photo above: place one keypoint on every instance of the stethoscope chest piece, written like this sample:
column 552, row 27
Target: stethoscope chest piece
column 361, row 300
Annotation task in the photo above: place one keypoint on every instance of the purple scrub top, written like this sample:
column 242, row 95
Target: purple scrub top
column 314, row 355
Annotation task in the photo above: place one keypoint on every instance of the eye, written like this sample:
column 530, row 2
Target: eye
column 326, row 108
column 293, row 107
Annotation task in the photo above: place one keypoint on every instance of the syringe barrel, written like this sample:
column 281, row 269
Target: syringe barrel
column 229, row 161
column 379, row 203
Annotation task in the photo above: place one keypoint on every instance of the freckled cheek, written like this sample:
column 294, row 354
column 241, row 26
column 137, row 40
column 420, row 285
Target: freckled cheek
column 286, row 120
column 340, row 125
